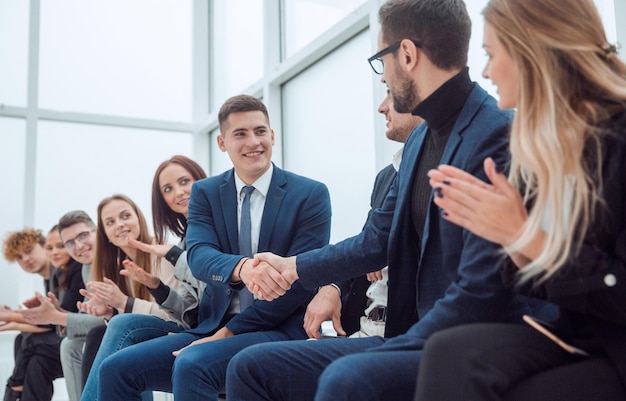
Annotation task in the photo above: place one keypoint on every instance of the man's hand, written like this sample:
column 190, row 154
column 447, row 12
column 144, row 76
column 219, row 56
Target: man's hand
column 55, row 301
column 45, row 313
column 375, row 276
column 31, row 302
column 269, row 276
column 221, row 333
column 326, row 305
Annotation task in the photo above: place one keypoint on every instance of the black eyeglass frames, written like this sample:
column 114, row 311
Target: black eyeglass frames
column 376, row 61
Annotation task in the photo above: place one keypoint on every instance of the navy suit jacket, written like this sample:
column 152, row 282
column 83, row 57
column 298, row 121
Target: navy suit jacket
column 296, row 218
column 456, row 278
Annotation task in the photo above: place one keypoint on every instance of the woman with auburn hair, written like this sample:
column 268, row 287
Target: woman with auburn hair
column 560, row 217
column 171, row 189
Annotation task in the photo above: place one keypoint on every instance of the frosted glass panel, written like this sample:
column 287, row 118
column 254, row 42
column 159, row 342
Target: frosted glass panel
column 328, row 131
column 14, row 50
column 305, row 20
column 12, row 165
column 238, row 42
column 119, row 57
column 12, row 159
column 79, row 165
column 219, row 161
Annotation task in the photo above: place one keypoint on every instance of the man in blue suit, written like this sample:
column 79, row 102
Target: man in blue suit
column 439, row 274
column 288, row 214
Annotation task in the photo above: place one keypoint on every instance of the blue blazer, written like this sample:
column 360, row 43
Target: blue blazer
column 296, row 218
column 457, row 276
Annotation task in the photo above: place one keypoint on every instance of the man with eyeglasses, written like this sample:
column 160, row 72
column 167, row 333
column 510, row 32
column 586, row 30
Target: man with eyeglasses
column 439, row 274
column 77, row 232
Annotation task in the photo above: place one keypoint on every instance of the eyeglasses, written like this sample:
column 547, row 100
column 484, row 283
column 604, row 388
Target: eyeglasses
column 376, row 61
column 80, row 238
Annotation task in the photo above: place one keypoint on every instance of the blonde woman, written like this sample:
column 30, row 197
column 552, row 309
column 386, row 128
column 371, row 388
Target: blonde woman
column 560, row 217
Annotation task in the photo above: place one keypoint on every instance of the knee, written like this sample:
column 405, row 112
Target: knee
column 340, row 373
column 188, row 363
column 112, row 369
column 244, row 363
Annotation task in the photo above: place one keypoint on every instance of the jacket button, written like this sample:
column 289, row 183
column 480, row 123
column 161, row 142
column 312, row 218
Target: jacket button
column 228, row 292
column 610, row 280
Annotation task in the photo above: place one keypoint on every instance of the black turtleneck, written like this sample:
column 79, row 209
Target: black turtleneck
column 440, row 111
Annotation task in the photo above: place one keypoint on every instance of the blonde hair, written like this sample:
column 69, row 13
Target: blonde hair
column 570, row 82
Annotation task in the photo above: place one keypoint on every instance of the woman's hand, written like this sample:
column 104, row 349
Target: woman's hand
column 108, row 292
column 221, row 333
column 136, row 273
column 155, row 249
column 493, row 211
column 94, row 306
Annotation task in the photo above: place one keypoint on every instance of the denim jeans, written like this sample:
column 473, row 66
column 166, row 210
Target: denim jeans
column 330, row 369
column 122, row 332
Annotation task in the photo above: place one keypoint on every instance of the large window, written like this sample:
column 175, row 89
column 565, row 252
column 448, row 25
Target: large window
column 305, row 20
column 238, row 46
column 14, row 50
column 78, row 165
column 329, row 133
column 117, row 57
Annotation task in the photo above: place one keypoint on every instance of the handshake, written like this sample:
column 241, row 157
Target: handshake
column 268, row 276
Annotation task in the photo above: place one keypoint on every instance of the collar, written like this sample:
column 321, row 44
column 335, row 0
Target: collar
column 446, row 101
column 397, row 158
column 262, row 184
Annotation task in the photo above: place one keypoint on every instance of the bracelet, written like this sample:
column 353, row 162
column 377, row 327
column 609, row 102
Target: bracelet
column 130, row 302
column 241, row 267
column 113, row 313
column 337, row 288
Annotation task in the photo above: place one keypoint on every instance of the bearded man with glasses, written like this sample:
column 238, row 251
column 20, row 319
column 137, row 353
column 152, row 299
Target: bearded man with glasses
column 440, row 275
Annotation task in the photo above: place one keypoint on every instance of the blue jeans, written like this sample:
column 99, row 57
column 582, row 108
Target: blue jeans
column 197, row 373
column 331, row 369
column 122, row 332
column 144, row 366
column 200, row 372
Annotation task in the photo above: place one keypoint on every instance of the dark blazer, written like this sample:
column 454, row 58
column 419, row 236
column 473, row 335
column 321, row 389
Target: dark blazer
column 296, row 218
column 591, row 287
column 354, row 300
column 456, row 279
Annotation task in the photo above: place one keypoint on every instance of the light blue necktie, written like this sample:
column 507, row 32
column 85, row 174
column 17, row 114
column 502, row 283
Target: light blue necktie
column 245, row 242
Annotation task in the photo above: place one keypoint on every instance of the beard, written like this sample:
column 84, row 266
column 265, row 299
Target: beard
column 405, row 98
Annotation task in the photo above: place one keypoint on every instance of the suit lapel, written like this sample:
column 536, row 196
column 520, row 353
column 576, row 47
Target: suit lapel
column 275, row 197
column 228, row 201
column 466, row 116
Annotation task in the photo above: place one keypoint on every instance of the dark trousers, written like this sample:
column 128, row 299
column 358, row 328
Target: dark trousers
column 37, row 364
column 510, row 363
column 92, row 344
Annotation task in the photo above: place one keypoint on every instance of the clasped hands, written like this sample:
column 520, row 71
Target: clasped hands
column 269, row 276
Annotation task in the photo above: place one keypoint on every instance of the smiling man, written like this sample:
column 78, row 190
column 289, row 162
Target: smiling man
column 255, row 206
column 77, row 232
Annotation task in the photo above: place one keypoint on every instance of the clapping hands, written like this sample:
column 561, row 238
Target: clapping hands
column 493, row 211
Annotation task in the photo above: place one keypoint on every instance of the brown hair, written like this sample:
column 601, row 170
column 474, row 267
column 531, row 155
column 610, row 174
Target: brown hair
column 74, row 217
column 240, row 104
column 443, row 27
column 164, row 218
column 108, row 257
column 16, row 242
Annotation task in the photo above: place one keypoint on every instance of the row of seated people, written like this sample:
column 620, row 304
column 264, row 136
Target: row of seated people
column 450, row 228
column 130, row 273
